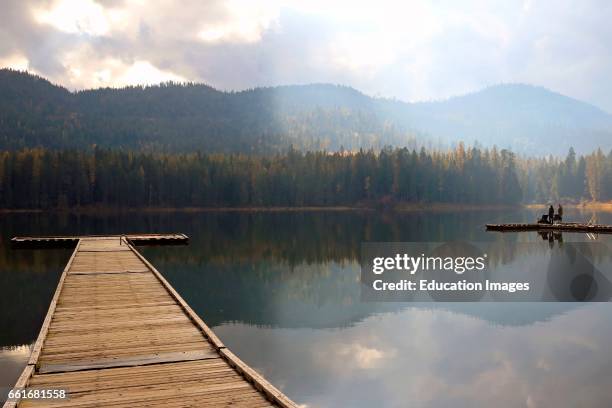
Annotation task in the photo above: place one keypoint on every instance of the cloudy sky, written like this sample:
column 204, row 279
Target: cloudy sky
column 410, row 50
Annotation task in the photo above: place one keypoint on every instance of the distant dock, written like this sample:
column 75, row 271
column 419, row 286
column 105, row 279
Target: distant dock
column 569, row 227
column 69, row 241
column 117, row 334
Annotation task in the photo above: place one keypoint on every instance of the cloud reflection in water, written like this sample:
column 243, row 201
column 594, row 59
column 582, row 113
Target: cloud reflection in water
column 439, row 358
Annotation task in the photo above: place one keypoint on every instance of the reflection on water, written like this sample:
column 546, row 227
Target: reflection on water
column 12, row 361
column 282, row 290
column 426, row 358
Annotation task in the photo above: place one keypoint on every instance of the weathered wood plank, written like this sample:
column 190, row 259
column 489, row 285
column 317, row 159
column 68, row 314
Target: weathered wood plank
column 260, row 383
column 117, row 334
column 128, row 361
column 45, row 327
column 210, row 335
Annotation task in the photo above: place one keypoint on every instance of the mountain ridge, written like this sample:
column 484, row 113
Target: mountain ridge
column 525, row 118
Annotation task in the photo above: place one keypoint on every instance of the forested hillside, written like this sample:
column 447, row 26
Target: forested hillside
column 191, row 117
column 39, row 178
column 527, row 119
column 187, row 117
column 190, row 145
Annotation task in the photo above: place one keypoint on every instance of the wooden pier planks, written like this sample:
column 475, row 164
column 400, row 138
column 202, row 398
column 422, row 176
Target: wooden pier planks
column 117, row 334
column 96, row 262
column 208, row 382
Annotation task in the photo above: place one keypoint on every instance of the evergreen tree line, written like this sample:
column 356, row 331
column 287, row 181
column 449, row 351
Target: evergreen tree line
column 40, row 178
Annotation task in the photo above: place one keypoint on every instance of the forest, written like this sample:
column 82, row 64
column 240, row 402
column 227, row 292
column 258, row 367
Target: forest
column 188, row 117
column 39, row 178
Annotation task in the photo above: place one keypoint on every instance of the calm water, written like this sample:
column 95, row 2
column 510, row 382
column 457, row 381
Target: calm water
column 282, row 291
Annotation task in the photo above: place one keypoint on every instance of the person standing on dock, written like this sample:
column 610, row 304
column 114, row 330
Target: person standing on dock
column 551, row 214
column 560, row 212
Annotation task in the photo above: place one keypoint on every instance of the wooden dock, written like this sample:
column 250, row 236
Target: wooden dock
column 71, row 241
column 569, row 227
column 117, row 334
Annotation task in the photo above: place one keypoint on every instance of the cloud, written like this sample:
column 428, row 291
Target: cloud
column 109, row 71
column 436, row 358
column 363, row 357
column 75, row 17
column 415, row 50
column 15, row 61
column 245, row 22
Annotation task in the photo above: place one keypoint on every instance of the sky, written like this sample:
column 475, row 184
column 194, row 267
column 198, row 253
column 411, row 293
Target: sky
column 409, row 50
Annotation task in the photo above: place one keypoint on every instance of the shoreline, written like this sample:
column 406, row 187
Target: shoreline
column 401, row 207
column 587, row 205
column 404, row 207
column 110, row 210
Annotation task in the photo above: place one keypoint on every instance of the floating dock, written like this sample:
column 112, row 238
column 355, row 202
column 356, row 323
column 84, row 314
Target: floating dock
column 64, row 241
column 569, row 227
column 117, row 334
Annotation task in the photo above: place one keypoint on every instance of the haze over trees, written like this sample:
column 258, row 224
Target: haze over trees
column 188, row 117
column 190, row 145
column 41, row 178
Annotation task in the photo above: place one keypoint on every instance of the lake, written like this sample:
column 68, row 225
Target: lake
column 282, row 291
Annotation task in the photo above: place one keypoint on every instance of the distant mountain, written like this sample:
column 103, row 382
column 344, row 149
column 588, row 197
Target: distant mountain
column 523, row 117
column 34, row 112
